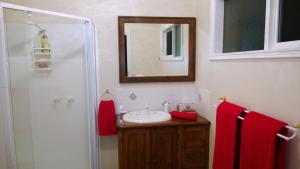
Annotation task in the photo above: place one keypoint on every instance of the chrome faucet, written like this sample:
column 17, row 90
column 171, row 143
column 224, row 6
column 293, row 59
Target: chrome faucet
column 166, row 106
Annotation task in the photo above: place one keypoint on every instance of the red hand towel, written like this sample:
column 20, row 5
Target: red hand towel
column 107, row 118
column 184, row 115
column 260, row 147
column 226, row 135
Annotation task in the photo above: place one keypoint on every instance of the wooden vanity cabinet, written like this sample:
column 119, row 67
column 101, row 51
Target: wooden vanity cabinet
column 176, row 144
column 135, row 151
column 194, row 147
column 164, row 147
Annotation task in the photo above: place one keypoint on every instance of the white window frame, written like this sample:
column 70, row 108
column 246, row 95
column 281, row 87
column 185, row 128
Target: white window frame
column 272, row 48
column 129, row 52
column 172, row 57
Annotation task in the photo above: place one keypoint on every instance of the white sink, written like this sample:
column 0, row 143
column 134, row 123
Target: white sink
column 146, row 116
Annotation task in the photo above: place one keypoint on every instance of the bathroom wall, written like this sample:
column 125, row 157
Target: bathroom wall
column 268, row 86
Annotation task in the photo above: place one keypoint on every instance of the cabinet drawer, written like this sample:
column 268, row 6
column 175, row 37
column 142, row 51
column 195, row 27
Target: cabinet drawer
column 195, row 158
column 196, row 136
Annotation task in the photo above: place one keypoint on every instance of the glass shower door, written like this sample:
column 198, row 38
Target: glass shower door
column 48, row 82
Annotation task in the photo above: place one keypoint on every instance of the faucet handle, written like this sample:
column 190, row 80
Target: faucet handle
column 165, row 102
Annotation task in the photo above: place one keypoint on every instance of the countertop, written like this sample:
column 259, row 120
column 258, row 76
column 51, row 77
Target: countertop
column 172, row 122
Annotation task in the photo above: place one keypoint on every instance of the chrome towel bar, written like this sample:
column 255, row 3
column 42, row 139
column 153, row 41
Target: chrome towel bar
column 278, row 134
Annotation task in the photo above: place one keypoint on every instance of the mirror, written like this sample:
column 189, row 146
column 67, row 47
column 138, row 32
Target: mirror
column 157, row 49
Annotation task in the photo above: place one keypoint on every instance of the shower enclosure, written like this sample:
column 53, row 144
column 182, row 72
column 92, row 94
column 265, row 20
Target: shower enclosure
column 47, row 89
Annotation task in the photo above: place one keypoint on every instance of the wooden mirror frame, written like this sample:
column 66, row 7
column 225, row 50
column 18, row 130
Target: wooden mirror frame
column 157, row 20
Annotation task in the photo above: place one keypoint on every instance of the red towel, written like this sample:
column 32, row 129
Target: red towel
column 226, row 135
column 184, row 115
column 107, row 118
column 260, row 147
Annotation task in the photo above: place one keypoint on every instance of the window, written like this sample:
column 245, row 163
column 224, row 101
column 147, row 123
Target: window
column 244, row 25
column 172, row 43
column 289, row 20
column 245, row 28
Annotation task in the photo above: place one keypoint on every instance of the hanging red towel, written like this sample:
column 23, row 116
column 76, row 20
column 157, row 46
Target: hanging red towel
column 226, row 135
column 107, row 118
column 184, row 115
column 260, row 146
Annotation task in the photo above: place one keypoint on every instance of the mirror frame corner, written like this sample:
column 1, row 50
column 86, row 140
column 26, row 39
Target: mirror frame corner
column 191, row 21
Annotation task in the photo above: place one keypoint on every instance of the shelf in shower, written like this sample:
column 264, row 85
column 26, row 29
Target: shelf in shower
column 41, row 48
column 42, row 54
column 42, row 61
column 42, row 69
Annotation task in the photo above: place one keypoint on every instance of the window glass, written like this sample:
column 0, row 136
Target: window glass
column 289, row 24
column 244, row 25
column 169, row 43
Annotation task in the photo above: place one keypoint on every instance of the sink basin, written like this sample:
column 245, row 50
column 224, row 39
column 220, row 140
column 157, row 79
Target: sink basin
column 146, row 116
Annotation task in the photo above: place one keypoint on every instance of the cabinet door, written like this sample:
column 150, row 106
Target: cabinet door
column 164, row 146
column 134, row 148
column 194, row 147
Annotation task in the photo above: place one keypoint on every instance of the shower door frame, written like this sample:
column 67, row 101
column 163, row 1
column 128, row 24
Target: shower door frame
column 91, row 73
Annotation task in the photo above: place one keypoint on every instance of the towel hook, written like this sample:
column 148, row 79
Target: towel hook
column 107, row 92
column 222, row 98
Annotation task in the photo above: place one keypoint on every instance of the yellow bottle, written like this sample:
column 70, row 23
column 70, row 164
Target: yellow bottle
column 45, row 44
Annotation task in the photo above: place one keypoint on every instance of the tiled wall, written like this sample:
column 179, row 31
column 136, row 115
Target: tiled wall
column 152, row 96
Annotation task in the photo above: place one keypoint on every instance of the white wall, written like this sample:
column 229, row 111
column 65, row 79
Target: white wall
column 270, row 86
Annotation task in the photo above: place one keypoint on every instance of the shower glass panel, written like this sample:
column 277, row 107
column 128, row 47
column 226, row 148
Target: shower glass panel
column 47, row 68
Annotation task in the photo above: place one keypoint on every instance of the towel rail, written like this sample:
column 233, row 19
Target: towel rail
column 278, row 134
column 223, row 98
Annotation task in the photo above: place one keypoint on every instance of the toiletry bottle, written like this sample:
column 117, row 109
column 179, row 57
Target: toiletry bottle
column 45, row 44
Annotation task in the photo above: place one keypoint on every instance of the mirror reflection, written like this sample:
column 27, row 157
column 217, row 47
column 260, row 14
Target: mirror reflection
column 156, row 49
